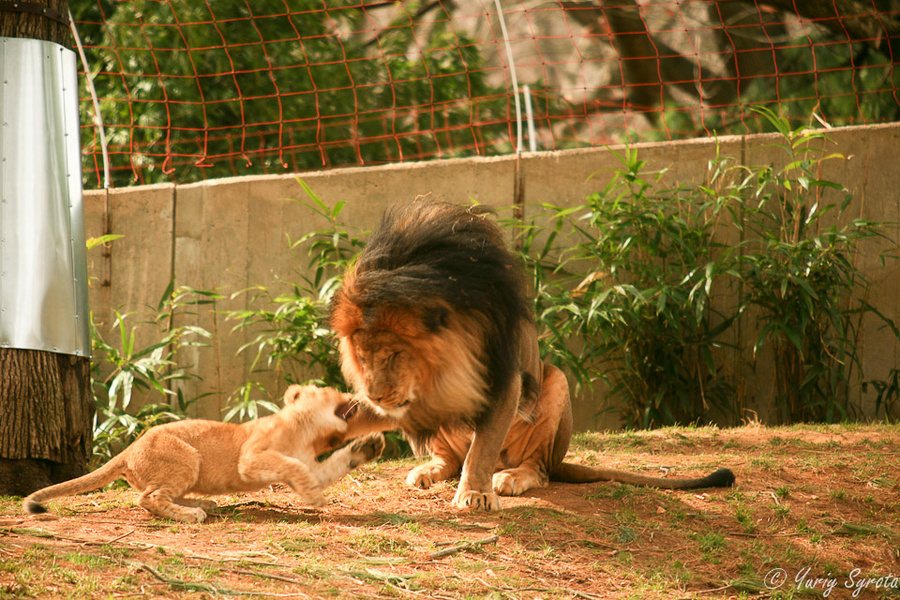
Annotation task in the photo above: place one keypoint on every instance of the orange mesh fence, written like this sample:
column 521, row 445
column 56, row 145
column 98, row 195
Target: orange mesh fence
column 194, row 90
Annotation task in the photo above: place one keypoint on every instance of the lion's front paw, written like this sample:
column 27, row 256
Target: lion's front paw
column 369, row 447
column 474, row 499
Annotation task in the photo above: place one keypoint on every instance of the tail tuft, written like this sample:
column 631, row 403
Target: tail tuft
column 32, row 507
column 721, row 478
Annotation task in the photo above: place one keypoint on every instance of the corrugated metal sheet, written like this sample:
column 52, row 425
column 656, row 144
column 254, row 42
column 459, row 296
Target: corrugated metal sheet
column 43, row 269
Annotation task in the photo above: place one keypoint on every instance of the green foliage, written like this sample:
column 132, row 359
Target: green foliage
column 887, row 395
column 231, row 81
column 636, row 287
column 798, row 272
column 121, row 369
column 631, row 301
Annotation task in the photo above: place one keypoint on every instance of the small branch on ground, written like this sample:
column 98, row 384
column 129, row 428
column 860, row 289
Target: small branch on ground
column 464, row 546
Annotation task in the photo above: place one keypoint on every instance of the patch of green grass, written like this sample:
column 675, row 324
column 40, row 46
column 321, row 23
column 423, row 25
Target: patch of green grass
column 300, row 545
column 616, row 491
column 9, row 565
column 781, row 511
column 625, row 535
column 744, row 516
column 374, row 543
column 711, row 544
column 89, row 560
column 626, row 516
column 765, row 463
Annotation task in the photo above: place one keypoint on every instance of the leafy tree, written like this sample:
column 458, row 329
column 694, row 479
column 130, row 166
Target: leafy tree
column 275, row 86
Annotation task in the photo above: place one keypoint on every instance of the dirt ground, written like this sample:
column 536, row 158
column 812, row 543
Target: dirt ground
column 814, row 514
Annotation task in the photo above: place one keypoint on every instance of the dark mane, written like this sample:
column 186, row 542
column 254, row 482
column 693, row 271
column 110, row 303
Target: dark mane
column 432, row 259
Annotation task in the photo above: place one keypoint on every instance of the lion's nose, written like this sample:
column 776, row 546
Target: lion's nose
column 375, row 395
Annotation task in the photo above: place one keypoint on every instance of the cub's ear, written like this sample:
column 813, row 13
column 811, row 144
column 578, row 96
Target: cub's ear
column 293, row 394
column 436, row 318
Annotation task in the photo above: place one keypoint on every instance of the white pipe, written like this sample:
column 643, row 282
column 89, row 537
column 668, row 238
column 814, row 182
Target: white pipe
column 529, row 115
column 512, row 72
column 98, row 118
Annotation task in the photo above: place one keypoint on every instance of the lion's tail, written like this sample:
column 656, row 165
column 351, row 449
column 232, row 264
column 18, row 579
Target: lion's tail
column 570, row 473
column 93, row 480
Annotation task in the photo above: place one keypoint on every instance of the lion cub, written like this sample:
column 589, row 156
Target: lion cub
column 210, row 457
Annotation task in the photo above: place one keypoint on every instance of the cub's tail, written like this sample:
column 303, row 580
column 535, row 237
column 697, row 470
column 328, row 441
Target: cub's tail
column 569, row 473
column 93, row 480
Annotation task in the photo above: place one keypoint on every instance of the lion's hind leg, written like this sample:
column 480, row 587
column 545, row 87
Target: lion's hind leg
column 446, row 460
column 532, row 450
column 517, row 481
column 435, row 470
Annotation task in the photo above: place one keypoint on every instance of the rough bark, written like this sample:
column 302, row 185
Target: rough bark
column 37, row 26
column 46, row 407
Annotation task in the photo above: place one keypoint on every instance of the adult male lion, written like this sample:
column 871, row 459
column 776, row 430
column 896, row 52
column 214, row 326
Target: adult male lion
column 437, row 335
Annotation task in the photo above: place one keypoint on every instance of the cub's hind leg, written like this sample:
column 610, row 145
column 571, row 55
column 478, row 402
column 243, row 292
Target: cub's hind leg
column 204, row 503
column 166, row 469
column 163, row 502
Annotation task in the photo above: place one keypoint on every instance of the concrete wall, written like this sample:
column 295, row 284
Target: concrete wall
column 231, row 234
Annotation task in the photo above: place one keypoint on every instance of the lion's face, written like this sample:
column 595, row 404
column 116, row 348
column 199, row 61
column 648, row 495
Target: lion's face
column 384, row 367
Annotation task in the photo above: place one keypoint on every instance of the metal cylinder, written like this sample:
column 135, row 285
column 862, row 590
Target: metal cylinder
column 43, row 263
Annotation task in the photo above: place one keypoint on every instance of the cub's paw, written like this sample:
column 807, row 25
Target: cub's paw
column 476, row 500
column 184, row 514
column 314, row 499
column 200, row 514
column 367, row 448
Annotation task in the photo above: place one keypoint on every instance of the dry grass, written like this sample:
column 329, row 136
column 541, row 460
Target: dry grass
column 811, row 502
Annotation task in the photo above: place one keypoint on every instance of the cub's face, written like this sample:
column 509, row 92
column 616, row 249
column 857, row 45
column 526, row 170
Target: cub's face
column 327, row 412
column 382, row 366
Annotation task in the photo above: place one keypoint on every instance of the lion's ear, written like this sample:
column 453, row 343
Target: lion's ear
column 436, row 319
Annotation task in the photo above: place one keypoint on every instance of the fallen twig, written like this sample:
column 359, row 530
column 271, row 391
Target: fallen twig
column 191, row 586
column 464, row 546
column 116, row 539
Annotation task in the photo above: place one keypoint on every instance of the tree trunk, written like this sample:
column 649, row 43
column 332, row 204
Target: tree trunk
column 46, row 407
column 29, row 21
